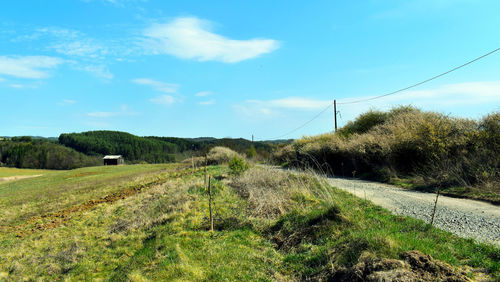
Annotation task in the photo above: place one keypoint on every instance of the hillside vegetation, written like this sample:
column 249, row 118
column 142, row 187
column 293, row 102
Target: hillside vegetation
column 154, row 149
column 36, row 153
column 133, row 148
column 150, row 222
column 412, row 148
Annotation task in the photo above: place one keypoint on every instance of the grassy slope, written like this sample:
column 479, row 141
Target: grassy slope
column 160, row 233
column 11, row 171
column 57, row 190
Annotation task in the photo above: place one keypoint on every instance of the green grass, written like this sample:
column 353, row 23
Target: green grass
column 487, row 192
column 57, row 190
column 161, row 232
column 11, row 171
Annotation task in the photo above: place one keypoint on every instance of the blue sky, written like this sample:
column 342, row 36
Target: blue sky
column 237, row 68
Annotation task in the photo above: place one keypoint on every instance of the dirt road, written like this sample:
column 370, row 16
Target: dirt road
column 463, row 217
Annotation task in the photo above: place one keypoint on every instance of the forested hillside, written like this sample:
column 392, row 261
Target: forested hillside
column 133, row 148
column 153, row 149
column 25, row 152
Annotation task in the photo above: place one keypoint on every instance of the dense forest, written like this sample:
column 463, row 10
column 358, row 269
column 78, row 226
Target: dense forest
column 72, row 150
column 132, row 148
column 153, row 149
column 25, row 152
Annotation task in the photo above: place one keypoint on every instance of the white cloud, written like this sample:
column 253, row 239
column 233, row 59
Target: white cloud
column 28, row 66
column 208, row 102
column 163, row 100
column 124, row 111
column 2, row 79
column 66, row 102
column 192, row 38
column 157, row 85
column 101, row 71
column 81, row 48
column 203, row 93
column 16, row 85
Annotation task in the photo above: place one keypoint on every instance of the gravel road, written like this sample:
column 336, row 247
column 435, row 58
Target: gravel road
column 463, row 217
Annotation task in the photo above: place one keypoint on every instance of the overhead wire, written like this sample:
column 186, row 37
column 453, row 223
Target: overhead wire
column 390, row 93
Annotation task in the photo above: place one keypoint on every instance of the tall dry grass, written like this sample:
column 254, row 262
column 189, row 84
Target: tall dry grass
column 438, row 149
column 273, row 192
column 216, row 155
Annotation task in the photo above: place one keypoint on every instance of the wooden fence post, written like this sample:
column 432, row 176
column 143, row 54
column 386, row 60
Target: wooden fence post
column 205, row 180
column 435, row 205
column 210, row 204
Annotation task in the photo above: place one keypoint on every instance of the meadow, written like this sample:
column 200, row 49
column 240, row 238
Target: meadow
column 150, row 222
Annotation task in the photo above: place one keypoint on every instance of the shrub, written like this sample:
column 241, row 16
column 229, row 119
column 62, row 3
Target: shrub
column 238, row 165
column 216, row 155
column 251, row 152
column 443, row 151
column 272, row 193
column 220, row 155
column 364, row 123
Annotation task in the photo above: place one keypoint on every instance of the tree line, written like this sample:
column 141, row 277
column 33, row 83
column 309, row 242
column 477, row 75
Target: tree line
column 25, row 152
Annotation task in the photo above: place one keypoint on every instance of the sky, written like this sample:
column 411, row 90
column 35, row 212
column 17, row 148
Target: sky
column 238, row 68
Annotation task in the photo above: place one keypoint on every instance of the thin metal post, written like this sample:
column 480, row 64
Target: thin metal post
column 335, row 113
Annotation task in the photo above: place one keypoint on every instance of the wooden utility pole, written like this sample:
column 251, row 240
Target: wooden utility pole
column 210, row 204
column 335, row 113
column 252, row 138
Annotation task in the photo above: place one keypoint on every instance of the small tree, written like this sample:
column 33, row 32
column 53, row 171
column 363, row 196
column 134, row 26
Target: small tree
column 238, row 165
column 251, row 152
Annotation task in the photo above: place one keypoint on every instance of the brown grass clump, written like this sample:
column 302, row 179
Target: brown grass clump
column 271, row 192
column 216, row 155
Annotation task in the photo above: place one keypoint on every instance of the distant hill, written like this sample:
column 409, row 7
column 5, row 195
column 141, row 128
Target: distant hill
column 25, row 152
column 154, row 149
column 133, row 148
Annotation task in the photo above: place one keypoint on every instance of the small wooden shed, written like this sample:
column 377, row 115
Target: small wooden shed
column 113, row 160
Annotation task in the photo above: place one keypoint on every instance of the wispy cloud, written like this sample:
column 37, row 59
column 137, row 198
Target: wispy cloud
column 2, row 79
column 157, row 85
column 124, row 111
column 101, row 71
column 83, row 52
column 66, row 102
column 192, row 38
column 203, row 93
column 277, row 107
column 207, row 103
column 81, row 48
column 118, row 3
column 34, row 67
column 163, row 100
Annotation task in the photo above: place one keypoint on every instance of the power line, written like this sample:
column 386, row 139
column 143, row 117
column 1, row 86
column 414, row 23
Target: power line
column 306, row 123
column 422, row 82
column 391, row 93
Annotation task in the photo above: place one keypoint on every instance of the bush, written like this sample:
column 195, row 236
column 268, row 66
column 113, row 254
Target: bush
column 238, row 165
column 364, row 123
column 251, row 152
column 405, row 142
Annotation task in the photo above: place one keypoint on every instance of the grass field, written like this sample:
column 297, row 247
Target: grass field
column 12, row 171
column 149, row 222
